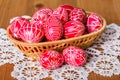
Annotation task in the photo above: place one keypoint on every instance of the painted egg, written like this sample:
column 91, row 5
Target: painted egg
column 94, row 23
column 61, row 14
column 39, row 17
column 74, row 56
column 73, row 29
column 53, row 29
column 16, row 25
column 78, row 14
column 67, row 7
column 51, row 59
column 31, row 34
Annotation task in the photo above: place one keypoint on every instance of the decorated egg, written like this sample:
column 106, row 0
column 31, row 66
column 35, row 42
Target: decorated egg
column 53, row 29
column 31, row 34
column 16, row 25
column 78, row 14
column 74, row 56
column 67, row 7
column 39, row 17
column 73, row 29
column 61, row 14
column 94, row 22
column 51, row 59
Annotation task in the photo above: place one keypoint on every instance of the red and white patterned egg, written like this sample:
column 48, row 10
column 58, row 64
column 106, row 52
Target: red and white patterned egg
column 61, row 13
column 78, row 14
column 53, row 29
column 67, row 7
column 94, row 22
column 73, row 29
column 16, row 25
column 39, row 17
column 74, row 56
column 31, row 34
column 51, row 59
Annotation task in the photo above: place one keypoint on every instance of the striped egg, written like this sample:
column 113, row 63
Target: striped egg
column 53, row 29
column 73, row 29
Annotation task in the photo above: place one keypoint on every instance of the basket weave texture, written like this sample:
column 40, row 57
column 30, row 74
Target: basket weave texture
column 33, row 50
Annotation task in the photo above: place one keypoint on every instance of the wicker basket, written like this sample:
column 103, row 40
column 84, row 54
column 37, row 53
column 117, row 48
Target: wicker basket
column 34, row 49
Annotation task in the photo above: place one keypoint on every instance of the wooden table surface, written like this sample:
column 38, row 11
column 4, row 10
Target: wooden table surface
column 109, row 9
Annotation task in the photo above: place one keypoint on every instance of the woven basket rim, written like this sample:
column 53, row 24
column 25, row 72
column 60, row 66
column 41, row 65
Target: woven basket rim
column 57, row 41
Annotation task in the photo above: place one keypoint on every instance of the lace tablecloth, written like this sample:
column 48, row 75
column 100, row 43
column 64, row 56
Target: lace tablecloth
column 102, row 59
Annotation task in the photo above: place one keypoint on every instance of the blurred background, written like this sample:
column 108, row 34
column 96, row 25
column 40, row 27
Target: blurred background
column 109, row 9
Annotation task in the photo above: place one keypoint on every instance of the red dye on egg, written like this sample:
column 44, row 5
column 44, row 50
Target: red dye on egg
column 78, row 14
column 51, row 59
column 73, row 29
column 16, row 25
column 61, row 14
column 53, row 28
column 94, row 22
column 74, row 56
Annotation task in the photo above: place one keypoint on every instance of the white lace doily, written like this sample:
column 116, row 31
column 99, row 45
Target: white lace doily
column 102, row 59
column 8, row 53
